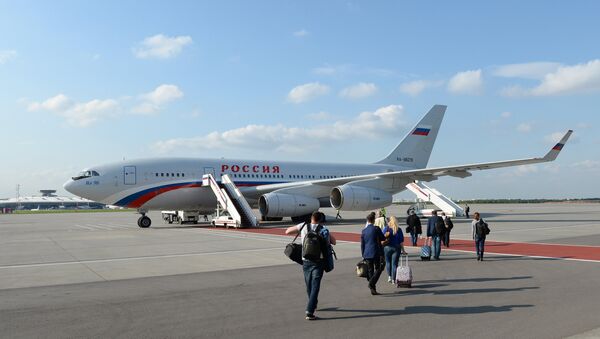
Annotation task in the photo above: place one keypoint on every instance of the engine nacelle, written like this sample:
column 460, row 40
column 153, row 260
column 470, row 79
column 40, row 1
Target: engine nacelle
column 286, row 205
column 358, row 198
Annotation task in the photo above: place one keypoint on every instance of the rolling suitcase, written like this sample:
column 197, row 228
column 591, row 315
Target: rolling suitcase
column 426, row 252
column 404, row 273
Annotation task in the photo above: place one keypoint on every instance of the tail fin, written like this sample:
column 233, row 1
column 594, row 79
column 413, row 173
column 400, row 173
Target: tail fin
column 553, row 153
column 414, row 150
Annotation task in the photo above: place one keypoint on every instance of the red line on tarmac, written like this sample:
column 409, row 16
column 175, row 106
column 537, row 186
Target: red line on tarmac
column 558, row 251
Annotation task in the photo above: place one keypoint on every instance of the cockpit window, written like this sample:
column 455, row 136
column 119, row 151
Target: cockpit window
column 86, row 174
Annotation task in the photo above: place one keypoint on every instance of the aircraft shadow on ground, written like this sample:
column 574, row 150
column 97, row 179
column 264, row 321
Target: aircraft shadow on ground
column 474, row 280
column 417, row 290
column 443, row 310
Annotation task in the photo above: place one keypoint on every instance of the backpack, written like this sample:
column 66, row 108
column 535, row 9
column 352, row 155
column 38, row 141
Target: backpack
column 449, row 223
column 328, row 253
column 313, row 244
column 481, row 228
column 440, row 227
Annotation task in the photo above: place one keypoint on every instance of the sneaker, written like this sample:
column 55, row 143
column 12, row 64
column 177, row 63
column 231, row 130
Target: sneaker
column 389, row 279
column 311, row 317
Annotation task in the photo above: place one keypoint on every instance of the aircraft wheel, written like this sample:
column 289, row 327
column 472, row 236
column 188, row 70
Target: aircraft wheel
column 144, row 222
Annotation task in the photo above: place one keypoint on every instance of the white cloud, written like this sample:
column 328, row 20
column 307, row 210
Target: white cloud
column 81, row 114
column 385, row 120
column 320, row 116
column 554, row 137
column 505, row 115
column 524, row 127
column 587, row 164
column 306, row 92
column 56, row 103
column 530, row 70
column 154, row 101
column 301, row 33
column 7, row 55
column 161, row 46
column 580, row 78
column 349, row 69
column 415, row 88
column 525, row 169
column 468, row 82
column 84, row 114
column 359, row 91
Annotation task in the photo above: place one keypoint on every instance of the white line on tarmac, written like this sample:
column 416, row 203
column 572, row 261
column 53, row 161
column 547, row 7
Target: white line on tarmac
column 535, row 229
column 525, row 255
column 61, row 263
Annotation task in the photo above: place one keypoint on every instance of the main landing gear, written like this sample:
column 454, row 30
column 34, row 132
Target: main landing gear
column 144, row 221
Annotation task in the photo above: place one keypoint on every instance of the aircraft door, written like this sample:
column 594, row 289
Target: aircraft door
column 209, row 170
column 129, row 175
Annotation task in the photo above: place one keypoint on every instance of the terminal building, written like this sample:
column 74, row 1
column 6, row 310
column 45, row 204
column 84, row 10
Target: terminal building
column 48, row 200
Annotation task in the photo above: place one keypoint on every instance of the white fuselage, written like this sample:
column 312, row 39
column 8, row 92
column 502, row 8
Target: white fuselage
column 176, row 183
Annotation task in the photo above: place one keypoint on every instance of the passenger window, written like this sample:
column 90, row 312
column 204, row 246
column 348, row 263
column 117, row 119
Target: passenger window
column 182, row 174
column 162, row 174
column 156, row 174
column 172, row 174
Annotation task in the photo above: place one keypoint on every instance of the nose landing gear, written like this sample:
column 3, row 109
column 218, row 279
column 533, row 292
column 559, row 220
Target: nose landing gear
column 144, row 221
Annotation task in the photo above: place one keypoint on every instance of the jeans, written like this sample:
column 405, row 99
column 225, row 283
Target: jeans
column 392, row 256
column 447, row 238
column 375, row 267
column 436, row 246
column 313, row 273
column 414, row 237
column 479, row 246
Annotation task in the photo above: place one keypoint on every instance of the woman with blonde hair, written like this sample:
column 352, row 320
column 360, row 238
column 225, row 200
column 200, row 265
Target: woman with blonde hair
column 393, row 247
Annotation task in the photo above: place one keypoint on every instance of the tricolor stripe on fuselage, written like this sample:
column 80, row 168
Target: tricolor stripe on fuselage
column 136, row 200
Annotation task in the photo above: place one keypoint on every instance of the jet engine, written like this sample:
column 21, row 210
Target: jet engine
column 286, row 205
column 358, row 198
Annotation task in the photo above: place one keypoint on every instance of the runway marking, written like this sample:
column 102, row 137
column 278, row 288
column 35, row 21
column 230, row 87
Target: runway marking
column 534, row 250
column 537, row 228
column 83, row 262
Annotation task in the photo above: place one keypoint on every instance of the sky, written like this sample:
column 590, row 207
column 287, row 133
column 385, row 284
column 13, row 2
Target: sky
column 85, row 83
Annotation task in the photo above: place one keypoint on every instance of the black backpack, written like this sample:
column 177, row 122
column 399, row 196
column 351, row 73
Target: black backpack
column 440, row 226
column 312, row 246
column 482, row 229
column 449, row 223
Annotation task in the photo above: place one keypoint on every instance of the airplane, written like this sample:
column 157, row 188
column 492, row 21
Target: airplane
column 279, row 188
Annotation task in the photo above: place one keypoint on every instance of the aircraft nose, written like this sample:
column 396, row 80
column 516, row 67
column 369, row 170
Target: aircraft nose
column 69, row 185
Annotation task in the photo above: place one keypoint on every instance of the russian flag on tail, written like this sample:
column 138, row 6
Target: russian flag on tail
column 558, row 147
column 421, row 131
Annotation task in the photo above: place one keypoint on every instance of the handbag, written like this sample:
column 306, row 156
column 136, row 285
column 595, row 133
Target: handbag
column 362, row 269
column 293, row 250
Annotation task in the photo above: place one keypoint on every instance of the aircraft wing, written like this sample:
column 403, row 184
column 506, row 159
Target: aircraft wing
column 425, row 174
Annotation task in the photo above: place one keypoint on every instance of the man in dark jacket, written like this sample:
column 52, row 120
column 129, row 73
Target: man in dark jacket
column 372, row 251
column 414, row 226
column 435, row 231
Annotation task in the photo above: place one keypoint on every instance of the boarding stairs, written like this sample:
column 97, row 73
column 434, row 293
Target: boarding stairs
column 231, row 199
column 429, row 194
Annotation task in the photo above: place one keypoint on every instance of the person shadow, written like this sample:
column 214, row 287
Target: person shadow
column 425, row 309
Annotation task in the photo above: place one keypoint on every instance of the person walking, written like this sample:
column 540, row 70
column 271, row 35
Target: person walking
column 313, row 269
column 480, row 230
column 371, row 240
column 393, row 248
column 435, row 231
column 449, row 226
column 467, row 209
column 414, row 226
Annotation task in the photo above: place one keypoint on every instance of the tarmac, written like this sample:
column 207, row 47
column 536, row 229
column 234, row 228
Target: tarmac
column 99, row 275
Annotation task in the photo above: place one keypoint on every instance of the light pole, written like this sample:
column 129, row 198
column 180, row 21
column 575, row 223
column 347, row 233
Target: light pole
column 18, row 196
